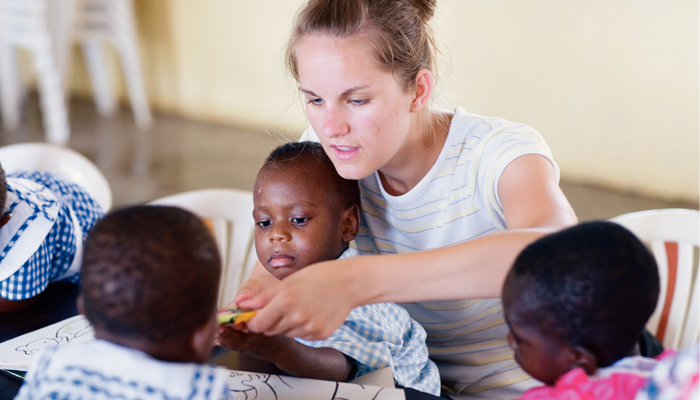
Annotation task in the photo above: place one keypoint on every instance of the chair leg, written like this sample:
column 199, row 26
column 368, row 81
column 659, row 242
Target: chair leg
column 52, row 99
column 10, row 88
column 127, row 48
column 99, row 79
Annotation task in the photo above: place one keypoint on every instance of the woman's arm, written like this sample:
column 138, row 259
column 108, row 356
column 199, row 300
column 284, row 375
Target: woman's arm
column 313, row 302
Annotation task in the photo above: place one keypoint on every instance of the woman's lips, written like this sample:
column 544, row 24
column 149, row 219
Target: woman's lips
column 345, row 153
column 281, row 260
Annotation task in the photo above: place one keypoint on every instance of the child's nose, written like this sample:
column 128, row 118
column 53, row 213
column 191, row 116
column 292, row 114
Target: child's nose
column 279, row 233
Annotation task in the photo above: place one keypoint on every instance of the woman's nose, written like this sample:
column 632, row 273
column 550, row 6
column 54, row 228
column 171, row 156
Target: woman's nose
column 334, row 123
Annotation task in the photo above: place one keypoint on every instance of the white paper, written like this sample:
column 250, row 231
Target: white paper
column 255, row 386
column 18, row 353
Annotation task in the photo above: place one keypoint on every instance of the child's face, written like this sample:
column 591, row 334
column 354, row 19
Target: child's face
column 296, row 222
column 542, row 356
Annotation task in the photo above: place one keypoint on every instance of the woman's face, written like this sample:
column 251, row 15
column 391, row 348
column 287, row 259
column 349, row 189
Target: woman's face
column 360, row 112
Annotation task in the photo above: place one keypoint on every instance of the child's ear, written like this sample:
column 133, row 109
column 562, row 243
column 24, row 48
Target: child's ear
column 351, row 222
column 584, row 358
column 80, row 303
column 202, row 340
column 5, row 219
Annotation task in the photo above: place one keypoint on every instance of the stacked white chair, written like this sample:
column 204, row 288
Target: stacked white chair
column 48, row 29
column 674, row 237
column 24, row 25
column 99, row 22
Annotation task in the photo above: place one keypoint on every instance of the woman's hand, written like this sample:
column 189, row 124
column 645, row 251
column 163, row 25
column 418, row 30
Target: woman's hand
column 311, row 304
column 253, row 287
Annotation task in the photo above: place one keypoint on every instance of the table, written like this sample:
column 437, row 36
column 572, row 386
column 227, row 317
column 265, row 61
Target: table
column 58, row 302
column 55, row 304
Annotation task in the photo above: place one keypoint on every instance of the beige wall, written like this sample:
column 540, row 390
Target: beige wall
column 612, row 85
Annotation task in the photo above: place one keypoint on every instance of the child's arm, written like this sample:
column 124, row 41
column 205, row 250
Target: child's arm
column 287, row 354
column 14, row 305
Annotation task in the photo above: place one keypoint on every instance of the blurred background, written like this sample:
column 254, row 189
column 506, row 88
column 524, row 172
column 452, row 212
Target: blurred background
column 612, row 86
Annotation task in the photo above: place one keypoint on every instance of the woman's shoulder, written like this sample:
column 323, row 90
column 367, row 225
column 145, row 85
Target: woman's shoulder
column 485, row 127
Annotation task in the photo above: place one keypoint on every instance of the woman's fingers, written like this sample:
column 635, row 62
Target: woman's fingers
column 309, row 304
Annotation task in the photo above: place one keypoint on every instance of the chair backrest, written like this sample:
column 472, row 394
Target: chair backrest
column 62, row 162
column 674, row 236
column 230, row 212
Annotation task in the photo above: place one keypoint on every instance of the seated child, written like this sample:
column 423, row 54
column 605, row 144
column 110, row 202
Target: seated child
column 150, row 279
column 576, row 303
column 306, row 213
column 44, row 222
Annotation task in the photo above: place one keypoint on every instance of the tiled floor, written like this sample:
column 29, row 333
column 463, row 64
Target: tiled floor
column 180, row 154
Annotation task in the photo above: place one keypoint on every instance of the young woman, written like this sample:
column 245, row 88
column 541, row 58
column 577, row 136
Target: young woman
column 448, row 198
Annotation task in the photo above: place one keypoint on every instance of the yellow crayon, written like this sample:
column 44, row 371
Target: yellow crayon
column 234, row 316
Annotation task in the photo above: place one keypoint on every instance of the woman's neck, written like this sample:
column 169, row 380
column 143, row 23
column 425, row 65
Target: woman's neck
column 417, row 156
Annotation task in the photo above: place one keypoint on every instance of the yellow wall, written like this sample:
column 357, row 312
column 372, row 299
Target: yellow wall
column 612, row 85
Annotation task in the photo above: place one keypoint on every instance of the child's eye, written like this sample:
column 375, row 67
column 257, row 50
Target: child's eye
column 300, row 221
column 264, row 224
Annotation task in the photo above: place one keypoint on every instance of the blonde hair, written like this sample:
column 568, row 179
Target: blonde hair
column 398, row 31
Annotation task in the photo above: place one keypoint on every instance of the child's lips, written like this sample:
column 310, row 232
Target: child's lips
column 281, row 260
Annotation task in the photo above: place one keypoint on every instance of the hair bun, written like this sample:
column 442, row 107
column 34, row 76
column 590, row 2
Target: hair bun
column 426, row 8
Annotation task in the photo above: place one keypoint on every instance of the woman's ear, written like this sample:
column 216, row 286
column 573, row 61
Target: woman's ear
column 584, row 358
column 423, row 89
column 351, row 222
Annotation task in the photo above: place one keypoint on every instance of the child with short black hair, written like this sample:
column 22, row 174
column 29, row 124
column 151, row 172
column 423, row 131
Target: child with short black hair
column 43, row 222
column 306, row 213
column 576, row 303
column 150, row 277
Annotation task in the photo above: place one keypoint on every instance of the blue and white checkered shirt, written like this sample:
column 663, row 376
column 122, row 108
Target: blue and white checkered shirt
column 384, row 335
column 38, row 244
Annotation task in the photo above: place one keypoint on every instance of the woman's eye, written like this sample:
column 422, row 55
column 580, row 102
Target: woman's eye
column 299, row 221
column 316, row 101
column 264, row 224
column 357, row 102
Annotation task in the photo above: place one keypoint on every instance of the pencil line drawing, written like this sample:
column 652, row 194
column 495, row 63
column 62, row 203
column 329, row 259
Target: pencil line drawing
column 258, row 386
column 80, row 329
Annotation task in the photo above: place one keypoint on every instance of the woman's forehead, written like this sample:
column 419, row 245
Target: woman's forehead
column 337, row 64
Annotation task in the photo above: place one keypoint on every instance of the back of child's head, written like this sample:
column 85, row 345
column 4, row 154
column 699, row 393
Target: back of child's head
column 593, row 285
column 150, row 273
column 311, row 157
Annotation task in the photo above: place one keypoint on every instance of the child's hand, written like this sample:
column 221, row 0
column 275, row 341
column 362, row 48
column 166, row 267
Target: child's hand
column 237, row 338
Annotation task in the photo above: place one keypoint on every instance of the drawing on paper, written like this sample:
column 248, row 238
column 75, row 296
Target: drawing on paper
column 76, row 329
column 258, row 386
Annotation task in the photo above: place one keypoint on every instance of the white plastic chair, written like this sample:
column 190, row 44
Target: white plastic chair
column 24, row 24
column 61, row 161
column 97, row 22
column 231, row 214
column 48, row 29
column 672, row 234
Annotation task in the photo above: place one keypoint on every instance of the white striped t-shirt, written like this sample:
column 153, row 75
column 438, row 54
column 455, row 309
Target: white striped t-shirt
column 456, row 201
